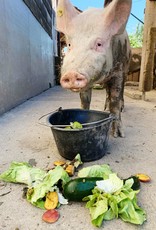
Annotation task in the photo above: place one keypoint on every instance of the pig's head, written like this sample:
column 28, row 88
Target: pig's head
column 89, row 41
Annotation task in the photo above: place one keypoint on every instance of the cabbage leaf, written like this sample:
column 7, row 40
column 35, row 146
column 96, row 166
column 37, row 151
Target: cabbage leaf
column 120, row 201
column 95, row 171
column 22, row 172
column 39, row 190
column 39, row 182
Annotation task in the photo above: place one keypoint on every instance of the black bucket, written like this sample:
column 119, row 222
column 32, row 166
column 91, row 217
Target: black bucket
column 90, row 142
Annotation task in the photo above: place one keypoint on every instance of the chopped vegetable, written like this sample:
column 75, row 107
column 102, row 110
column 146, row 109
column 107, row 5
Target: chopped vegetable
column 77, row 161
column 136, row 184
column 107, row 196
column 111, row 185
column 78, row 188
column 22, row 172
column 51, row 200
column 69, row 166
column 110, row 201
column 61, row 198
column 70, row 169
column 42, row 188
column 74, row 125
column 51, row 216
column 68, row 127
column 95, row 171
column 59, row 163
column 143, row 177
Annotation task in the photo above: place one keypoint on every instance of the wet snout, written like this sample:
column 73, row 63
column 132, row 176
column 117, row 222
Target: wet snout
column 73, row 81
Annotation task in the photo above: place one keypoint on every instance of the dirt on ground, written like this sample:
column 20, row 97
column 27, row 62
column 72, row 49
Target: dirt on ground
column 23, row 139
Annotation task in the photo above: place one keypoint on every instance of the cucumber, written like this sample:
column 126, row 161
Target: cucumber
column 77, row 189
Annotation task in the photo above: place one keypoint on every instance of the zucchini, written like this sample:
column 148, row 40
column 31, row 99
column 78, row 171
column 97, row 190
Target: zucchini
column 77, row 189
column 136, row 184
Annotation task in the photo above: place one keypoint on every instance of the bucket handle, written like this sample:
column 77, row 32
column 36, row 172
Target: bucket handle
column 45, row 115
column 112, row 117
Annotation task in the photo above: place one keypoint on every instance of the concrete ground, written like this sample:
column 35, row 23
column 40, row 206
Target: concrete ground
column 22, row 138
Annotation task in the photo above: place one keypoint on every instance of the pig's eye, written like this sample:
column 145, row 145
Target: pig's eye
column 69, row 46
column 98, row 45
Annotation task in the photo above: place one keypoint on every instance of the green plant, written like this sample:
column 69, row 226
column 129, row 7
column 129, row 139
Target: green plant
column 136, row 38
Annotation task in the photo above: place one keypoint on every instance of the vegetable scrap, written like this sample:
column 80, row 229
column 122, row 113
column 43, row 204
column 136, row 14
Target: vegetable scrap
column 106, row 195
column 70, row 166
column 96, row 171
column 74, row 125
column 22, row 173
column 51, row 201
column 136, row 184
column 70, row 169
column 43, row 187
column 111, row 199
column 143, row 177
column 59, row 163
column 51, row 216
column 77, row 189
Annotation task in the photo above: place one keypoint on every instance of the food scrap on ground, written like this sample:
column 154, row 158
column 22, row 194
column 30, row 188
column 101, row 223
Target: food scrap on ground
column 51, row 201
column 70, row 166
column 51, row 216
column 143, row 177
column 106, row 195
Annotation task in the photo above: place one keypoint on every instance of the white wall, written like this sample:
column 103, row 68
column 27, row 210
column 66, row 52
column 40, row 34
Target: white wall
column 26, row 55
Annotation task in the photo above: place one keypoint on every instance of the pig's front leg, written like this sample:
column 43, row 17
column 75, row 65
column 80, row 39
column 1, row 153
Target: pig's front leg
column 85, row 97
column 107, row 101
column 114, row 99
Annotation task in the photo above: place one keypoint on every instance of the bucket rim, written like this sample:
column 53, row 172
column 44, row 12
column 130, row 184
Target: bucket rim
column 88, row 125
column 80, row 130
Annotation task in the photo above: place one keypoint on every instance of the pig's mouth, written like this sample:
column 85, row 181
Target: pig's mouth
column 74, row 81
column 76, row 90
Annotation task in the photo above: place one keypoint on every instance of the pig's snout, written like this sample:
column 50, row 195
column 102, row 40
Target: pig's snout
column 73, row 81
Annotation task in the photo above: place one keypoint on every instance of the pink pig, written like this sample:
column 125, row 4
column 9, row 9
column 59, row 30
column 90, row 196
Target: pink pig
column 98, row 52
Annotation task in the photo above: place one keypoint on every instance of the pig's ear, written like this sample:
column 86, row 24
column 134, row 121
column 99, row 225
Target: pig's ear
column 117, row 13
column 65, row 13
column 106, row 2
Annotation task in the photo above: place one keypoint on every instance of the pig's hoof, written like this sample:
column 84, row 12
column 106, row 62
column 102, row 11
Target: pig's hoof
column 118, row 134
column 117, row 130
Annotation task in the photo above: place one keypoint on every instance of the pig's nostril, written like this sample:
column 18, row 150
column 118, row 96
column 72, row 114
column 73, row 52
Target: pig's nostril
column 66, row 80
column 78, row 79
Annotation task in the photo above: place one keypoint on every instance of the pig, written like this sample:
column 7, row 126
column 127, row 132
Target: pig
column 98, row 52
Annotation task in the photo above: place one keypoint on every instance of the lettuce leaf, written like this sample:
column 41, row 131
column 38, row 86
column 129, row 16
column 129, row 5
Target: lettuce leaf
column 39, row 182
column 118, row 203
column 22, row 172
column 111, row 185
column 129, row 211
column 77, row 161
column 40, row 189
column 96, row 171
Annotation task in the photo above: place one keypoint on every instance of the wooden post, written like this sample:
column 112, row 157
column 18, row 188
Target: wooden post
column 148, row 49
